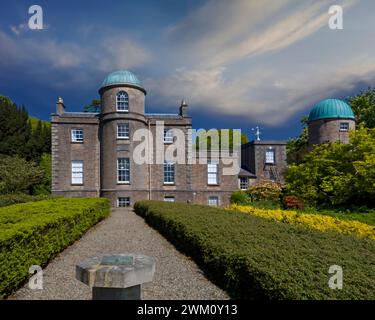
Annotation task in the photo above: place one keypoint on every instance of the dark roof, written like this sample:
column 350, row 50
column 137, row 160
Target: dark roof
column 245, row 173
column 266, row 142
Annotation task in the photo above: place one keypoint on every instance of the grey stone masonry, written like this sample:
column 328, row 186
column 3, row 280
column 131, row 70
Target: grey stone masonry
column 96, row 156
column 116, row 277
column 253, row 159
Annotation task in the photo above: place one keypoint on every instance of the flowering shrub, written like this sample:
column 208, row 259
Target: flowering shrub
column 312, row 221
column 293, row 202
column 265, row 190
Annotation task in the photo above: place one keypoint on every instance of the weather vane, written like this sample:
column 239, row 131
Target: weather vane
column 257, row 132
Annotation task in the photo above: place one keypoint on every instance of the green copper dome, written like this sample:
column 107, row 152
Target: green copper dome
column 122, row 77
column 331, row 108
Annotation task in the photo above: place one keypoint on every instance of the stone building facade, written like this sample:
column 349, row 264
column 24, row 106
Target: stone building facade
column 93, row 153
column 265, row 157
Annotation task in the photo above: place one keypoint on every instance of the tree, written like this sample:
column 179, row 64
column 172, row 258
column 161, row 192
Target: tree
column 18, row 175
column 20, row 134
column 44, row 187
column 363, row 106
column 95, row 106
column 14, row 127
column 336, row 173
column 297, row 148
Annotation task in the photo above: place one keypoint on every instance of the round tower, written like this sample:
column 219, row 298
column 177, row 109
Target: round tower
column 122, row 113
column 330, row 120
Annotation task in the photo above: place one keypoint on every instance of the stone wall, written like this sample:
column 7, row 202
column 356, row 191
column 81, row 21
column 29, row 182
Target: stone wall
column 64, row 151
column 254, row 158
column 328, row 130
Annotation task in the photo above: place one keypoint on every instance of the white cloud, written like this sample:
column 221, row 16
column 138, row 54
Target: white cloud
column 256, row 95
column 40, row 56
column 18, row 29
column 215, row 49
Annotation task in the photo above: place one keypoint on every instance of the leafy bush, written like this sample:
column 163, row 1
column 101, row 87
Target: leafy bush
column 265, row 190
column 240, row 197
column 255, row 258
column 18, row 175
column 337, row 174
column 313, row 221
column 44, row 187
column 33, row 233
column 293, row 202
column 9, row 199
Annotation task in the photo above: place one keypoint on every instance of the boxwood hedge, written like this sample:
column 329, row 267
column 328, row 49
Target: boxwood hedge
column 33, row 233
column 9, row 199
column 256, row 258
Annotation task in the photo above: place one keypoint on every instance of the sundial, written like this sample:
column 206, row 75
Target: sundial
column 117, row 276
column 116, row 260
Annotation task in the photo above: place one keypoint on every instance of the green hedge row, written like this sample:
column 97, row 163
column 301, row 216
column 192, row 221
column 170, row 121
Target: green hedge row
column 9, row 199
column 254, row 258
column 33, row 233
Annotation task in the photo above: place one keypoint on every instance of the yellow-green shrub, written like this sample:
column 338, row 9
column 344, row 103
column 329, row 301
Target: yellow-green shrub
column 312, row 221
column 33, row 233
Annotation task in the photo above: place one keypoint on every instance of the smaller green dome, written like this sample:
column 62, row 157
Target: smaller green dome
column 121, row 77
column 331, row 108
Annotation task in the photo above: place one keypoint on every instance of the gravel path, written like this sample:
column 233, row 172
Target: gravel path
column 176, row 276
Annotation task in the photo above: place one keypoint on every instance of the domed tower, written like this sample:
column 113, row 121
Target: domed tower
column 330, row 120
column 122, row 113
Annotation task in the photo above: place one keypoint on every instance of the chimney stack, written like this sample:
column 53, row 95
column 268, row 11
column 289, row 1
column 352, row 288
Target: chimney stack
column 183, row 109
column 60, row 107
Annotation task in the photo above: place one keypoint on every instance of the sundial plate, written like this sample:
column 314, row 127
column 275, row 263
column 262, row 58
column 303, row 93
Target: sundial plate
column 117, row 260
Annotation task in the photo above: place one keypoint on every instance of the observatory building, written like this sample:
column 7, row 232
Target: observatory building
column 330, row 120
column 93, row 153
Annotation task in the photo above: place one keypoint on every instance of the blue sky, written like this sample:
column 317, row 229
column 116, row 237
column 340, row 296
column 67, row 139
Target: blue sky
column 238, row 63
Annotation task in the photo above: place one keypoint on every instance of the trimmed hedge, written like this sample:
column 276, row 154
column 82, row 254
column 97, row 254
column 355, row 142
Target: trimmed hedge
column 9, row 199
column 33, row 233
column 256, row 258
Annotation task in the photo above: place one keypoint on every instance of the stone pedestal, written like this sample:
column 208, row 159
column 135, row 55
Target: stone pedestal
column 116, row 277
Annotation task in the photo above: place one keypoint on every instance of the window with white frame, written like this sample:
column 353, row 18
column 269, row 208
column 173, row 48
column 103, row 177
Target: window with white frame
column 344, row 126
column 123, row 170
column 244, row 183
column 122, row 101
column 77, row 135
column 270, row 156
column 212, row 172
column 123, row 130
column 169, row 173
column 168, row 136
column 123, row 202
column 213, row 200
column 77, row 172
column 169, row 199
